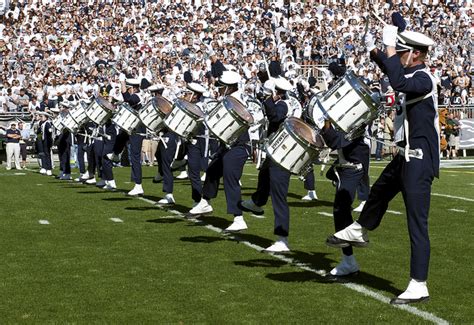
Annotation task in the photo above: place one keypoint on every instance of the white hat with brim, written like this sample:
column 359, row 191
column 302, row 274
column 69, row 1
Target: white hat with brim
column 132, row 82
column 282, row 83
column 414, row 41
column 198, row 88
column 55, row 110
column 156, row 87
column 230, row 78
column 43, row 114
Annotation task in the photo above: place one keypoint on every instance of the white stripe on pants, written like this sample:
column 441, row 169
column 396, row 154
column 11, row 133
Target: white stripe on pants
column 13, row 149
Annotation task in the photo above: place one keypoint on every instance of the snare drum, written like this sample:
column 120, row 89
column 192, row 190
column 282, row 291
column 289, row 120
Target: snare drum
column 294, row 106
column 126, row 118
column 154, row 112
column 58, row 123
column 100, row 110
column 75, row 119
column 312, row 114
column 229, row 119
column 349, row 104
column 294, row 146
column 184, row 118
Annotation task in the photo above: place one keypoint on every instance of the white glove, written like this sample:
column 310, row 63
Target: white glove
column 369, row 42
column 390, row 35
column 122, row 77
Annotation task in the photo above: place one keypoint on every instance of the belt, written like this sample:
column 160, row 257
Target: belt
column 414, row 153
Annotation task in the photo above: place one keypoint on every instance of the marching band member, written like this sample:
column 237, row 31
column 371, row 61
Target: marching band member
column 64, row 147
column 130, row 89
column 227, row 163
column 273, row 180
column 46, row 138
column 412, row 170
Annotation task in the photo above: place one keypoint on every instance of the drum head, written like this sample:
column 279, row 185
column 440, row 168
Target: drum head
column 105, row 103
column 303, row 131
column 189, row 107
column 235, row 105
column 161, row 103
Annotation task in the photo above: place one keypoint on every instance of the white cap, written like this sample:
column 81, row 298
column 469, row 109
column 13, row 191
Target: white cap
column 269, row 87
column 414, row 40
column 196, row 87
column 229, row 78
column 132, row 82
column 55, row 110
column 283, row 84
column 156, row 87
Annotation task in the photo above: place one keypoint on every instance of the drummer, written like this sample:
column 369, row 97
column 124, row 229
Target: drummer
column 130, row 89
column 64, row 146
column 228, row 162
column 46, row 137
column 273, row 179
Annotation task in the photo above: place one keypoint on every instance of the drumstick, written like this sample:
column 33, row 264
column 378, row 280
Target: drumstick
column 385, row 24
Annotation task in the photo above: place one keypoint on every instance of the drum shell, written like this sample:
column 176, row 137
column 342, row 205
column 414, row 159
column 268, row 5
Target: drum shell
column 184, row 118
column 152, row 115
column 290, row 150
column 98, row 112
column 225, row 123
column 58, row 123
column 126, row 118
column 349, row 104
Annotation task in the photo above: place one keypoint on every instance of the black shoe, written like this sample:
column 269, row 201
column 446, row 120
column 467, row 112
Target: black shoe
column 333, row 241
column 156, row 181
column 241, row 207
column 401, row 301
column 340, row 278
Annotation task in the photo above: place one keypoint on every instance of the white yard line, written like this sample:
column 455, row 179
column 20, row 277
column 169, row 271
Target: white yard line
column 356, row 287
column 458, row 210
column 394, row 212
column 117, row 220
column 327, row 214
column 43, row 222
column 453, row 197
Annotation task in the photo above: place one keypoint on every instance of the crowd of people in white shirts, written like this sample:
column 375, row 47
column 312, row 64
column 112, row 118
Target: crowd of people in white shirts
column 49, row 51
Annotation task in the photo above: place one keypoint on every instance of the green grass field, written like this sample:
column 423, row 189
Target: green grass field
column 158, row 267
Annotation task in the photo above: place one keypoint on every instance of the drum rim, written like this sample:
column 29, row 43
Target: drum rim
column 234, row 113
column 297, row 136
column 155, row 105
column 178, row 102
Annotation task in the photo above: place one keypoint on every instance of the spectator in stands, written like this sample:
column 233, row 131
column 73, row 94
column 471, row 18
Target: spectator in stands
column 462, row 82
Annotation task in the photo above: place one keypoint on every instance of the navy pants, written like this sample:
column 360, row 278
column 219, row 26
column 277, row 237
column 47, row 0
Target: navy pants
column 135, row 141
column 363, row 188
column 166, row 159
column 91, row 163
column 80, row 153
column 274, row 181
column 108, row 147
column 349, row 180
column 413, row 179
column 98, row 147
column 64, row 152
column 46, row 162
column 309, row 181
column 228, row 164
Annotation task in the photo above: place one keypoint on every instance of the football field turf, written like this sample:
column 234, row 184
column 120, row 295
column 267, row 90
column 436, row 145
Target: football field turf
column 73, row 253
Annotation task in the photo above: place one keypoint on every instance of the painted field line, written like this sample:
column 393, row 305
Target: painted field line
column 43, row 222
column 453, row 197
column 303, row 266
column 117, row 220
column 458, row 210
column 257, row 216
column 394, row 212
column 327, row 214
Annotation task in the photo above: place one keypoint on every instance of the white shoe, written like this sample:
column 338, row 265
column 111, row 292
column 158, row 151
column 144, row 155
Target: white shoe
column 49, row 173
column 360, row 207
column 110, row 185
column 310, row 196
column 42, row 171
column 417, row 291
column 91, row 181
column 101, row 183
column 203, row 177
column 113, row 157
column 202, row 207
column 65, row 177
column 182, row 175
column 280, row 246
column 347, row 266
column 137, row 190
column 168, row 199
column 238, row 224
column 84, row 177
column 354, row 235
column 250, row 206
column 8, row 168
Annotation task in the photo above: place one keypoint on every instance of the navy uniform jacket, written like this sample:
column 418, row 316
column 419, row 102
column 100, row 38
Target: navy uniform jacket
column 133, row 100
column 355, row 151
column 47, row 134
column 276, row 113
column 422, row 115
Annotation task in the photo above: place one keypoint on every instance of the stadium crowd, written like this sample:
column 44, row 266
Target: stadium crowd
column 49, row 51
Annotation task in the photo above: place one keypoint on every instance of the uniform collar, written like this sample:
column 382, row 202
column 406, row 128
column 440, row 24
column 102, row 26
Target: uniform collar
column 415, row 68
